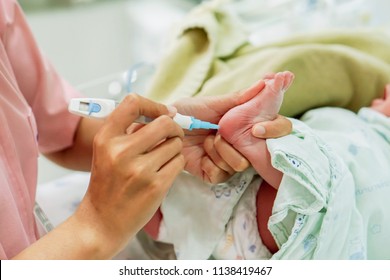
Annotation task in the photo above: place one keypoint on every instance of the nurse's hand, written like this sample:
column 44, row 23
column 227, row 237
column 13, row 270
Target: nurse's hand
column 207, row 155
column 222, row 160
column 131, row 172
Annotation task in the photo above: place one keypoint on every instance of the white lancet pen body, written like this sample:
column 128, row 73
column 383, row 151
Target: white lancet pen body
column 101, row 108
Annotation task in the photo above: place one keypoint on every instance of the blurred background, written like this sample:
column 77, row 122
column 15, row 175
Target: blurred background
column 107, row 48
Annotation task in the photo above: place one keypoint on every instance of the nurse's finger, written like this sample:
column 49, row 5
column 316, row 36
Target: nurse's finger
column 247, row 94
column 148, row 136
column 269, row 76
column 230, row 155
column 212, row 173
column 163, row 153
column 280, row 126
column 171, row 170
column 132, row 107
column 212, row 153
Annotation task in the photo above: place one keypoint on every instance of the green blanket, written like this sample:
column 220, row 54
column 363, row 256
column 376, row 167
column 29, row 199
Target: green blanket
column 212, row 56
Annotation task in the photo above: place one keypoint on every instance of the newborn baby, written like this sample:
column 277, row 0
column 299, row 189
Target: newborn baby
column 322, row 192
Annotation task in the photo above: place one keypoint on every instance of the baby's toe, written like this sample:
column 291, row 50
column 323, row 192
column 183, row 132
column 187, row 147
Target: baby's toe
column 288, row 79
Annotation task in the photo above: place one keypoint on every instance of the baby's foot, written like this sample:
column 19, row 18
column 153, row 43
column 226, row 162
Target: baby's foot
column 382, row 105
column 235, row 126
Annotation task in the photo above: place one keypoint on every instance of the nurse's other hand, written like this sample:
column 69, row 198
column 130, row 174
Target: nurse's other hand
column 222, row 160
column 131, row 173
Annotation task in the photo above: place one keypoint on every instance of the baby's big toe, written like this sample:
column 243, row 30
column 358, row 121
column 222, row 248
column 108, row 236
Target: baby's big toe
column 281, row 82
column 288, row 79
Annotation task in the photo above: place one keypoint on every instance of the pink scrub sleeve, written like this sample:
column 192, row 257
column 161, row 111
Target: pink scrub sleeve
column 45, row 91
column 33, row 113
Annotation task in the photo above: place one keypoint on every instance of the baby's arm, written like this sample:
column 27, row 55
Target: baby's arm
column 382, row 105
column 236, row 125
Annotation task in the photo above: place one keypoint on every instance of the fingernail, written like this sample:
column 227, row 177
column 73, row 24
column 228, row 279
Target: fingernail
column 172, row 110
column 244, row 164
column 258, row 130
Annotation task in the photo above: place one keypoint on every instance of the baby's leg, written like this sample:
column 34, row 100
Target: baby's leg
column 237, row 123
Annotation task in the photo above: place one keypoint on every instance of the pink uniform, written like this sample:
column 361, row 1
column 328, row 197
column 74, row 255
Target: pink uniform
column 33, row 118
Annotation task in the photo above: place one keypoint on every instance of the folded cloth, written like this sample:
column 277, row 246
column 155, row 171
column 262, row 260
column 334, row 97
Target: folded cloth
column 212, row 55
column 332, row 202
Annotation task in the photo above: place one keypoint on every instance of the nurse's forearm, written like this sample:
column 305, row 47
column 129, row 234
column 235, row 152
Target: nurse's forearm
column 79, row 156
column 62, row 243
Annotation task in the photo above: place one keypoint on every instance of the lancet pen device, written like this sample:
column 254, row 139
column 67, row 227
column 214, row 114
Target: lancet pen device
column 101, row 108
